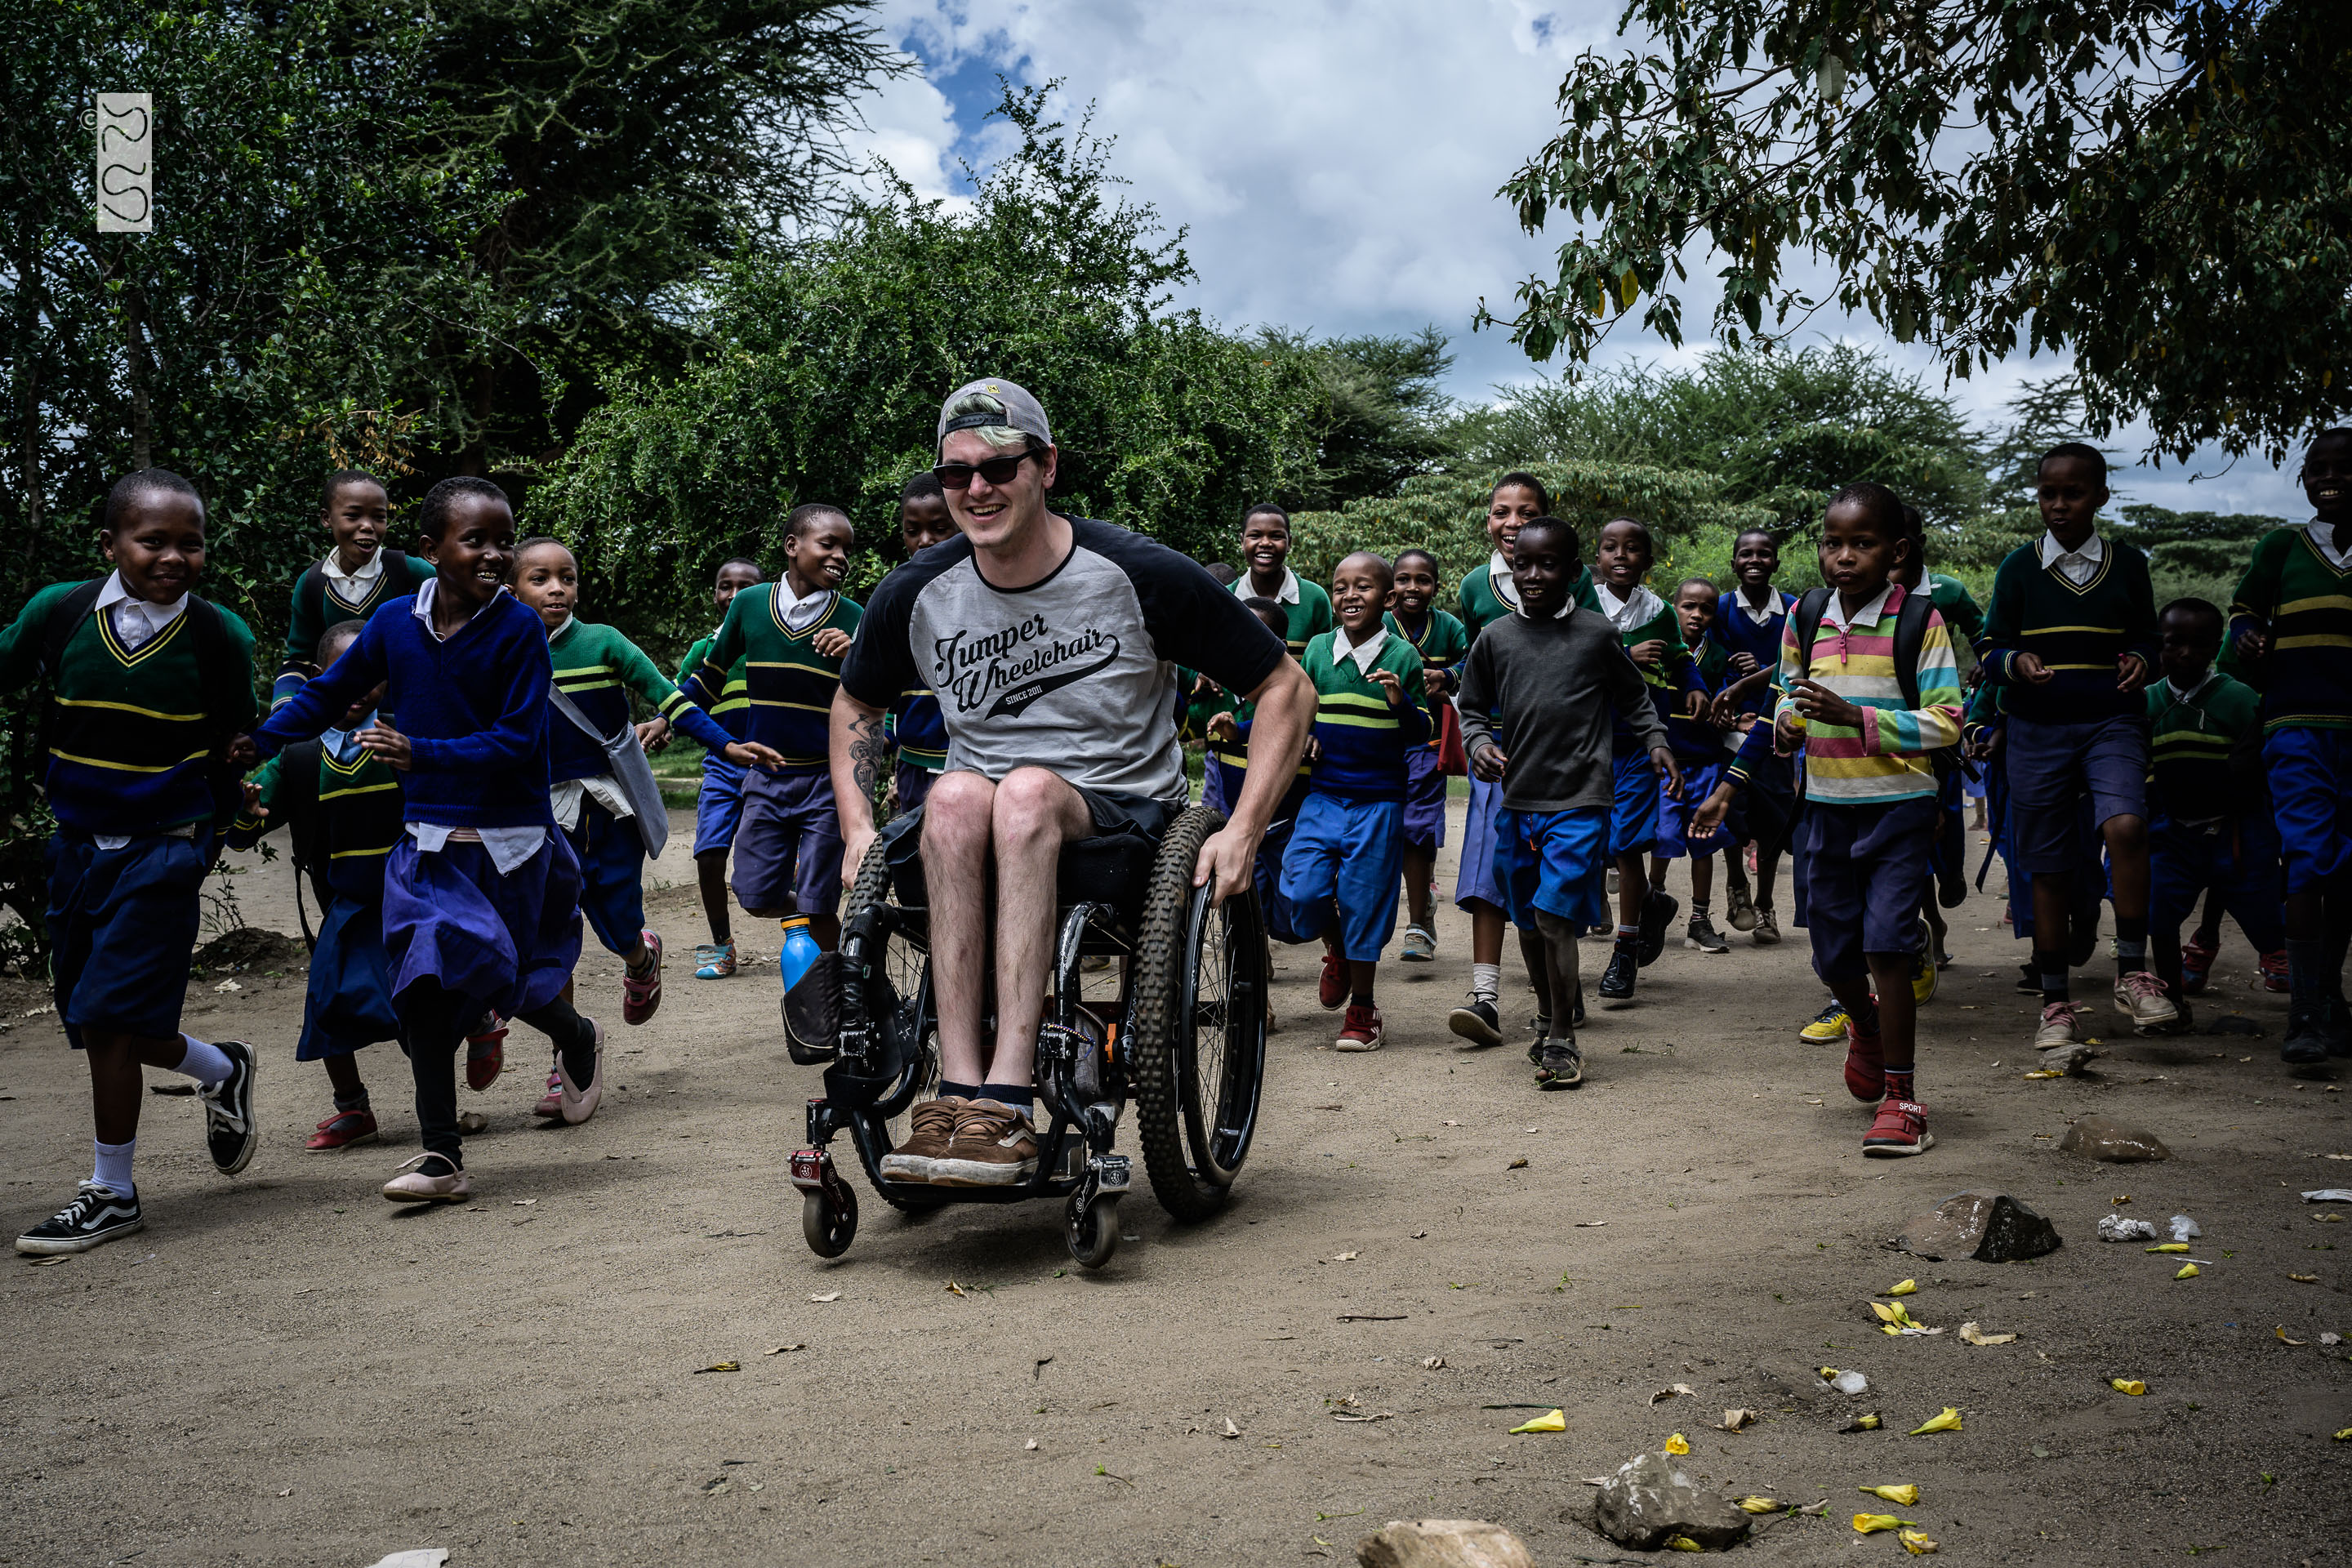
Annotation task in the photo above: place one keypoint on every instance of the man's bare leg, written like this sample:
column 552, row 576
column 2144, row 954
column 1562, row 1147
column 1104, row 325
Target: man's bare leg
column 955, row 842
column 1036, row 813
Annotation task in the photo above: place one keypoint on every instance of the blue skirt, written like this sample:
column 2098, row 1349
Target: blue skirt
column 1425, row 798
column 349, row 1004
column 507, row 943
column 1480, row 880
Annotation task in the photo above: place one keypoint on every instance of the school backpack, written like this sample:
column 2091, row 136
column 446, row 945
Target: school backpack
column 1910, row 636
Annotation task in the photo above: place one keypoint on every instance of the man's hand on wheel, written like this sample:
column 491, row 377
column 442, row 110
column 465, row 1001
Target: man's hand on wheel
column 854, row 845
column 1229, row 857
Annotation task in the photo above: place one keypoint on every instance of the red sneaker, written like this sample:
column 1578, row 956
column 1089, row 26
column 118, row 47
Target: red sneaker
column 486, row 1053
column 1900, row 1128
column 1865, row 1066
column 1333, row 990
column 342, row 1130
column 2274, row 969
column 1360, row 1030
column 641, row 997
column 551, row 1104
column 2196, row 963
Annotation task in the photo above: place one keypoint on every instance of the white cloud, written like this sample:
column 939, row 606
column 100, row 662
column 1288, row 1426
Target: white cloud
column 1336, row 162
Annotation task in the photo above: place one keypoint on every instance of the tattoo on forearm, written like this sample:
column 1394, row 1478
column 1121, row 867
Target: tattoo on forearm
column 866, row 751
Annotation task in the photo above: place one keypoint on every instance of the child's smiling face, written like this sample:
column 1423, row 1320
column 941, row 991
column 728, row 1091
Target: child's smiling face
column 818, row 555
column 1624, row 556
column 1542, row 563
column 1416, row 586
column 2327, row 477
column 1754, row 561
column 1265, row 542
column 547, row 578
column 157, row 542
column 733, row 578
column 1507, row 509
column 1359, row 592
column 358, row 514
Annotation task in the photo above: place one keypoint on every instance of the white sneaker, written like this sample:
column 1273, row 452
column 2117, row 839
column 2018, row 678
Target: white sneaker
column 2060, row 1025
column 2140, row 997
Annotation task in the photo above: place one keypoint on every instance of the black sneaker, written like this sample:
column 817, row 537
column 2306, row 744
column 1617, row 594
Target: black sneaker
column 1951, row 886
column 96, row 1217
column 2029, row 980
column 1658, row 911
column 1701, row 934
column 1543, row 1037
column 1561, row 1066
column 2339, row 1025
column 1476, row 1022
column 2307, row 1036
column 1617, row 983
column 230, row 1135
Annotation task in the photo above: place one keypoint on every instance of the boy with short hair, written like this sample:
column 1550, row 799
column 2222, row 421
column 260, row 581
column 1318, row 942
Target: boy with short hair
column 1339, row 873
column 145, row 683
column 1265, row 554
column 1747, row 626
column 1697, row 745
column 1548, row 671
column 719, row 802
column 2070, row 641
column 916, row 729
column 361, row 573
column 2292, row 621
column 2211, row 828
column 1441, row 642
column 792, row 633
column 1871, row 794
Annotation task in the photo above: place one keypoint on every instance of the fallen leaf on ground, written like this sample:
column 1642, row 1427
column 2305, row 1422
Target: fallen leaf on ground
column 1949, row 1421
column 780, row 1350
column 1977, row 1336
column 1759, row 1505
column 1863, row 1523
column 1677, row 1443
column 1518, row 1164
column 2044, row 1072
column 720, row 1366
column 1904, row 1287
column 1591, row 1224
column 1669, row 1393
column 526, row 1202
column 1378, row 1415
column 1681, row 1543
column 828, row 1296
column 1904, row 1496
column 2345, row 1436
column 2305, row 1278
column 1916, row 1543
column 50, row 1262
column 1431, row 1362
column 1594, row 1480
column 2188, row 1271
column 1733, row 1420
column 1344, row 1258
column 2284, row 1340
column 952, row 1288
column 1554, row 1421
column 1231, row 1430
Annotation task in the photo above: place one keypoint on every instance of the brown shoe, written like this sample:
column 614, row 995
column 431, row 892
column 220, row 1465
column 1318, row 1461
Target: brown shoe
column 933, row 1125
column 994, row 1146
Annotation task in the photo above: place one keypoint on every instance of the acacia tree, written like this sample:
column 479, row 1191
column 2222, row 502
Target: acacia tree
column 2161, row 187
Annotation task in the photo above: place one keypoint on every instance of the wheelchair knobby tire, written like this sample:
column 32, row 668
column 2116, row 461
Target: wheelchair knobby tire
column 873, row 887
column 1156, row 1055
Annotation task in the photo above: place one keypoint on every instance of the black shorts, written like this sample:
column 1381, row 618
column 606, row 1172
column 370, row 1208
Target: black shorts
column 1138, row 819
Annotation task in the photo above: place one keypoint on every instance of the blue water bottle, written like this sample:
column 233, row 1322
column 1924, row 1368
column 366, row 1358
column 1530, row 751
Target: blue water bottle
column 800, row 950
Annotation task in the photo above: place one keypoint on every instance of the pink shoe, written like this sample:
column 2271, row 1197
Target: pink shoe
column 2273, row 972
column 573, row 1103
column 551, row 1104
column 641, row 998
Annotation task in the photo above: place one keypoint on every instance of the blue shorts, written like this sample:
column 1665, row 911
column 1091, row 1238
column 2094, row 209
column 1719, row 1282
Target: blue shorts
column 123, row 928
column 913, row 785
column 348, row 1004
column 717, row 805
column 2053, row 768
column 1425, row 798
column 2311, row 791
column 788, row 849
column 1281, row 925
column 1552, row 862
column 1477, row 882
column 1700, row 775
column 1351, row 851
column 2238, row 860
column 505, row 941
column 1633, row 807
column 612, row 858
column 1866, row 874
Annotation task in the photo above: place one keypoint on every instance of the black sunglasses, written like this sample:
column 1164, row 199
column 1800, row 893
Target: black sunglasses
column 996, row 471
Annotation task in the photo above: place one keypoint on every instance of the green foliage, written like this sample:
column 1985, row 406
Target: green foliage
column 1381, row 417
column 825, row 367
column 2161, row 187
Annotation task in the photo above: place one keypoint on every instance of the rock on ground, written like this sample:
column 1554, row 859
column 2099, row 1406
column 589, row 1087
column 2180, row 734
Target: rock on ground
column 1991, row 1227
column 2102, row 1138
column 1442, row 1543
column 1652, row 1497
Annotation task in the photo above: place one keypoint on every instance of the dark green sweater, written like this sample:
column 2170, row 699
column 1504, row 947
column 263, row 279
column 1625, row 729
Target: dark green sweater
column 2305, row 604
column 2078, row 633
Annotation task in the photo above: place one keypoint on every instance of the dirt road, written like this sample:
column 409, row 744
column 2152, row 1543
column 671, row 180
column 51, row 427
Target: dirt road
column 284, row 1369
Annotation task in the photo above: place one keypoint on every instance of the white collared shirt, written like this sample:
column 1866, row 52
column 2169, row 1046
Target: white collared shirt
column 1763, row 617
column 800, row 614
column 1834, row 613
column 351, row 587
column 2187, row 696
column 423, row 608
column 2331, row 549
column 136, row 622
column 2077, row 566
column 1364, row 654
column 1499, row 578
column 1286, row 594
column 1635, row 609
column 508, row 847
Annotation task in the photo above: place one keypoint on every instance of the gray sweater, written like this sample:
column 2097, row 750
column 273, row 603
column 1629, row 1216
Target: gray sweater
column 1554, row 683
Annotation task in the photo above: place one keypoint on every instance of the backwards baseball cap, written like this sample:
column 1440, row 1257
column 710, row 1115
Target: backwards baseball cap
column 993, row 401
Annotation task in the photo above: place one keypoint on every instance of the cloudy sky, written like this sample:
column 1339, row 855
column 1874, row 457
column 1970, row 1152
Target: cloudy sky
column 1336, row 162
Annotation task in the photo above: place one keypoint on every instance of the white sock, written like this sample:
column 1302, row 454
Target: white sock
column 112, row 1168
column 207, row 1064
column 1485, row 981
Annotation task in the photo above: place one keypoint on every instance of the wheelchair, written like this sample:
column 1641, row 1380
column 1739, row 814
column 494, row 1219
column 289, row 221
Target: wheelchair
column 1173, row 1026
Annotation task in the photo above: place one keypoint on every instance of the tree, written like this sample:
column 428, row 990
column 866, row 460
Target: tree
column 2162, row 187
column 1383, row 413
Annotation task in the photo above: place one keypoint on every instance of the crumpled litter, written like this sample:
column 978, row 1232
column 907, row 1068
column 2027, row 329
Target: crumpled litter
column 1916, row 1543
column 1557, row 1421
column 1975, row 1335
column 2130, row 1385
column 1733, row 1420
column 1949, row 1421
column 2116, row 1228
column 2188, row 1271
column 1677, row 1443
column 415, row 1557
column 1904, row 1496
column 1864, row 1523
column 2329, row 1195
column 1843, row 1382
column 2185, row 1230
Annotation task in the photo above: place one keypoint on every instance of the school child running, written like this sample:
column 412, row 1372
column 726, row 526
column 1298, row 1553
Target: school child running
column 2070, row 641
column 2211, row 831
column 1267, row 574
column 1548, row 671
column 1965, row 620
column 1441, row 642
column 1871, row 795
column 790, row 636
column 1696, row 741
column 145, row 683
column 1652, row 636
column 343, row 802
column 481, row 895
column 349, row 581
column 2292, row 621
column 1339, row 872
column 1487, row 595
column 719, row 802
column 1226, row 769
column 1746, row 627
column 918, row 729
column 595, row 669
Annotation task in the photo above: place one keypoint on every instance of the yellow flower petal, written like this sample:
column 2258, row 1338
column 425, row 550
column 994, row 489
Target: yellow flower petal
column 1916, row 1543
column 1683, row 1543
column 1906, row 1495
column 1949, row 1421
column 2168, row 1246
column 1555, row 1422
column 1677, row 1443
column 1904, row 1287
column 1759, row 1505
column 2188, row 1271
column 1864, row 1523
column 2345, row 1436
column 2128, row 1385
column 1886, row 1314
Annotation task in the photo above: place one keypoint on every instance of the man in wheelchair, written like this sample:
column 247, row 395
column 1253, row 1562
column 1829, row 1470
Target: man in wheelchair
column 1052, row 643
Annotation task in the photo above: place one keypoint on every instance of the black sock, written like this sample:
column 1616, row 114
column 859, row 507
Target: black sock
column 357, row 1101
column 958, row 1090
column 440, row 1166
column 2050, row 965
column 2131, row 945
column 2307, row 978
column 1019, row 1097
column 1360, row 998
column 1865, row 1022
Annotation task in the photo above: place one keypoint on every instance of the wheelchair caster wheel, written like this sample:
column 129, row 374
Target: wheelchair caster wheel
column 829, row 1222
column 1093, row 1229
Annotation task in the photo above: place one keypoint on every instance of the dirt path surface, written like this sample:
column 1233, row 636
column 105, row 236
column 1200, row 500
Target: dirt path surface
column 283, row 1368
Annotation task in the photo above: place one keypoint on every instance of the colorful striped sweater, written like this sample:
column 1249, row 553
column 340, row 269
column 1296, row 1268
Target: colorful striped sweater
column 2078, row 633
column 2291, row 591
column 2205, row 752
column 789, row 683
column 732, row 711
column 360, row 815
column 1359, row 741
column 130, row 733
column 597, row 668
column 1886, row 759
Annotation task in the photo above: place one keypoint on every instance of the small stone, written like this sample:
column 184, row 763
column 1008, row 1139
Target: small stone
column 1652, row 1497
column 1442, row 1543
column 1991, row 1227
column 2102, row 1138
column 472, row 1121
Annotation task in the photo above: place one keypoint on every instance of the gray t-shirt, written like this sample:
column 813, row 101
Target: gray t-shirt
column 1555, row 683
column 1075, row 673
